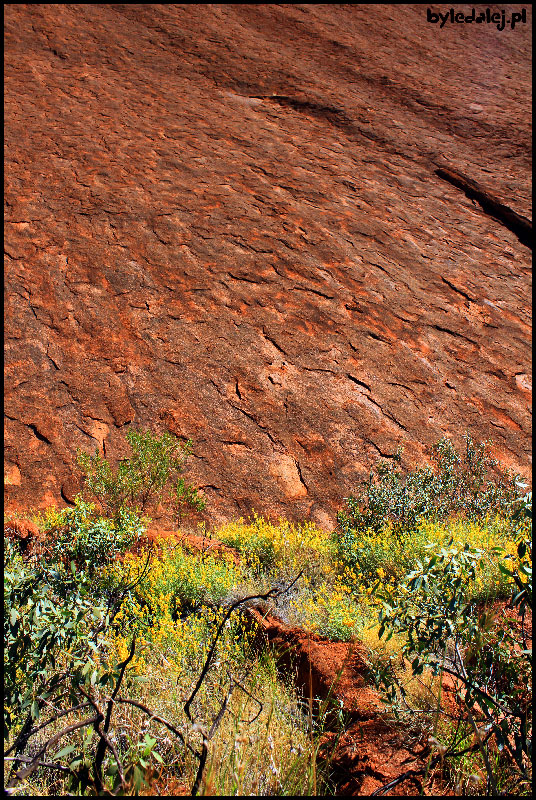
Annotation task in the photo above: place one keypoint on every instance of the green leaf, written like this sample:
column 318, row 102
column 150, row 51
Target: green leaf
column 149, row 741
column 138, row 778
column 66, row 751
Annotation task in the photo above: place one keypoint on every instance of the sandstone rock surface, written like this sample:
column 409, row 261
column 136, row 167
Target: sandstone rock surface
column 225, row 221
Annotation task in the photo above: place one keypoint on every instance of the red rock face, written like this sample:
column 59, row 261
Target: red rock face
column 225, row 221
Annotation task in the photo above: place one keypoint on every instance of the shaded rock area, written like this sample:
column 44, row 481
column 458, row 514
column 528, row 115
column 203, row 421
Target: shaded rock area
column 226, row 221
column 25, row 534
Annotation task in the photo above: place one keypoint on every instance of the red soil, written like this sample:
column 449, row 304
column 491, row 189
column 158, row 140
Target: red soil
column 372, row 752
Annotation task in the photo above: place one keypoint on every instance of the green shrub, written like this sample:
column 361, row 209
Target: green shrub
column 81, row 535
column 444, row 631
column 184, row 578
column 521, row 567
column 50, row 636
column 151, row 476
column 456, row 485
column 370, row 553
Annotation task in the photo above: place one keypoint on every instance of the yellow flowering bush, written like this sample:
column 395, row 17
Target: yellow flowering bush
column 329, row 610
column 387, row 557
column 170, row 608
column 279, row 551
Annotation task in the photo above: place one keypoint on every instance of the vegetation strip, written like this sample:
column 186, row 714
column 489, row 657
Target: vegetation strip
column 403, row 602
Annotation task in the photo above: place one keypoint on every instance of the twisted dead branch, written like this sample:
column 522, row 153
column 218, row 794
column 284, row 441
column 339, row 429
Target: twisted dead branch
column 101, row 720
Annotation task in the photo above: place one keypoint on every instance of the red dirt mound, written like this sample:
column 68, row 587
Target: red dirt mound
column 371, row 753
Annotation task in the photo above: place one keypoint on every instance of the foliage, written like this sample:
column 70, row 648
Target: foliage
column 51, row 640
column 456, row 485
column 328, row 609
column 262, row 752
column 321, row 600
column 176, row 606
column 151, row 476
column 368, row 553
column 486, row 655
column 279, row 549
column 521, row 572
column 69, row 652
column 81, row 535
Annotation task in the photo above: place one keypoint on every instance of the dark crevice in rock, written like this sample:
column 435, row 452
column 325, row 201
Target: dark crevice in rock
column 335, row 116
column 274, row 343
column 257, row 423
column 318, row 369
column 65, row 498
column 314, row 291
column 453, row 333
column 300, row 475
column 377, row 337
column 244, row 278
column 521, row 226
column 379, row 450
column 38, row 434
column 53, row 362
column 458, row 290
column 387, row 414
column 403, row 385
column 358, row 382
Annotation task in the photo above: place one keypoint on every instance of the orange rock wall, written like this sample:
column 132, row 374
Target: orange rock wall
column 224, row 221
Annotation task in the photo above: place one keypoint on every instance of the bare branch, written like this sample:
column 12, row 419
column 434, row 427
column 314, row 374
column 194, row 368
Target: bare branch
column 104, row 742
column 265, row 596
column 24, row 773
column 44, row 725
column 261, row 705
column 202, row 761
column 411, row 773
column 48, row 764
column 161, row 720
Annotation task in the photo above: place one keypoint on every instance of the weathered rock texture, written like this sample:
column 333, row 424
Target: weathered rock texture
column 225, row 221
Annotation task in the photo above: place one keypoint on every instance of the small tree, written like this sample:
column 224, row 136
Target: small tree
column 150, row 477
column 486, row 653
